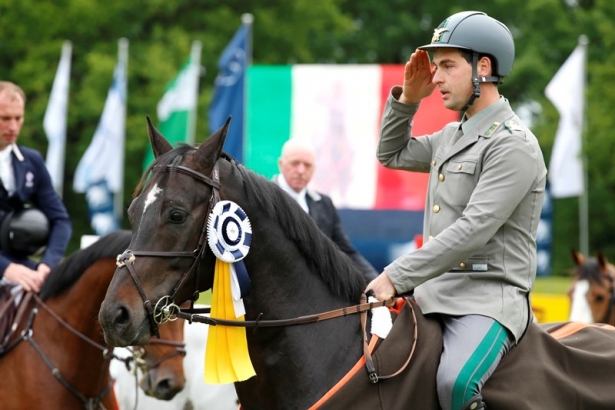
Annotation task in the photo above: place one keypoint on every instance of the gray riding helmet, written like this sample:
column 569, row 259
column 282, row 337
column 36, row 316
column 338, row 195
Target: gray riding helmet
column 477, row 32
column 24, row 232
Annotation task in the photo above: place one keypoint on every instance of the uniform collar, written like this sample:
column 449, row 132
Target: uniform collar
column 482, row 120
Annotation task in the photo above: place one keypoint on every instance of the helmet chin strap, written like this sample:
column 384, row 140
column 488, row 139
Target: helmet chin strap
column 476, row 80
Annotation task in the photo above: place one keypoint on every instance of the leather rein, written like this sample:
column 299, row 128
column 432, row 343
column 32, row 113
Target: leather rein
column 166, row 309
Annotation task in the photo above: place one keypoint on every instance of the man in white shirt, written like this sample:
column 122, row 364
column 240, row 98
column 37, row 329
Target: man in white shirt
column 296, row 166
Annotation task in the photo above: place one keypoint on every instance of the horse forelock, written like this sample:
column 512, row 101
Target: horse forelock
column 321, row 254
column 159, row 167
column 71, row 269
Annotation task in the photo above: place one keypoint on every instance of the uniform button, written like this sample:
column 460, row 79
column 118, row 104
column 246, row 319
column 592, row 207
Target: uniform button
column 462, row 265
column 430, row 237
column 459, row 166
column 433, row 163
column 436, row 208
column 441, row 177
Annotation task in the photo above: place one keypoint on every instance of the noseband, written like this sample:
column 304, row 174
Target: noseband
column 165, row 308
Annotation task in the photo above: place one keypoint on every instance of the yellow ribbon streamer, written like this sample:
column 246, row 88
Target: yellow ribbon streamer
column 226, row 358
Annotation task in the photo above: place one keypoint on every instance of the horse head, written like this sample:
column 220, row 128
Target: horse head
column 592, row 293
column 168, row 215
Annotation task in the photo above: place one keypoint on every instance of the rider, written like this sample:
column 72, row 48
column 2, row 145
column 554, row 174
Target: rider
column 25, row 183
column 485, row 193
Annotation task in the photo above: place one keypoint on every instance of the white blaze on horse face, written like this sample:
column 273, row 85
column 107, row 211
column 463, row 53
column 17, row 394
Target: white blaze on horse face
column 151, row 197
column 580, row 310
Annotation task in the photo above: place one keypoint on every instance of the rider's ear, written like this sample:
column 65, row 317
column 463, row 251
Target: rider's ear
column 159, row 143
column 214, row 143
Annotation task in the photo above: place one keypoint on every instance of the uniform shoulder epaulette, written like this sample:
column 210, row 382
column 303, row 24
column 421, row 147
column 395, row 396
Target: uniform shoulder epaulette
column 492, row 129
column 512, row 126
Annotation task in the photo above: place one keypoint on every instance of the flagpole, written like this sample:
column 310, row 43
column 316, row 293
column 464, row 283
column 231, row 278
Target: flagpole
column 195, row 59
column 584, row 198
column 55, row 119
column 248, row 20
column 119, row 195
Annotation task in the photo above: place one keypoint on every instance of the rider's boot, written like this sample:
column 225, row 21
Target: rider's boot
column 475, row 403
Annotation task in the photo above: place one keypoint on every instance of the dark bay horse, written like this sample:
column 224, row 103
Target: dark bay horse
column 592, row 294
column 296, row 272
column 57, row 358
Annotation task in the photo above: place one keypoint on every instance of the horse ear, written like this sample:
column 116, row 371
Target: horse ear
column 209, row 151
column 159, row 143
column 577, row 257
column 603, row 263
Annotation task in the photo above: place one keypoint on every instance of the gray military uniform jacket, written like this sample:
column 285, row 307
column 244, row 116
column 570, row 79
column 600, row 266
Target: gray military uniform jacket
column 483, row 205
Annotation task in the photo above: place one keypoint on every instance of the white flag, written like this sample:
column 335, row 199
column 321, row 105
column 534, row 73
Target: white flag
column 54, row 122
column 567, row 92
column 104, row 158
column 177, row 108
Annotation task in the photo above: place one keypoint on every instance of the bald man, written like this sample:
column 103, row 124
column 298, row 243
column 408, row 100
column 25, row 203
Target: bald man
column 296, row 166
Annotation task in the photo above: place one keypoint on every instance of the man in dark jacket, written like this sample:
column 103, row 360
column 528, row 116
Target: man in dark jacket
column 25, row 181
column 296, row 166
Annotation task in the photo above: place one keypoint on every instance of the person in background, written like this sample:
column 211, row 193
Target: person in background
column 296, row 165
column 25, row 182
column 477, row 265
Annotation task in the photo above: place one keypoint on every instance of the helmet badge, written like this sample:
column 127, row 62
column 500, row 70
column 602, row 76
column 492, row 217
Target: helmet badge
column 437, row 33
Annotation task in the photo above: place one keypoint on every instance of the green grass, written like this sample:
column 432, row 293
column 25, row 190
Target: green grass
column 555, row 285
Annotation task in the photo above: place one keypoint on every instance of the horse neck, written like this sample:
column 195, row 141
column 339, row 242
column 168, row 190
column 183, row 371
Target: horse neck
column 301, row 362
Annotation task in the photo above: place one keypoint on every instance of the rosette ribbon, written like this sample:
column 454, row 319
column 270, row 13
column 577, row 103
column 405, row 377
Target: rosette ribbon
column 229, row 235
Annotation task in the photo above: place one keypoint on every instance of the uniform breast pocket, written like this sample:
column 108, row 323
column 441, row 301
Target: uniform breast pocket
column 461, row 179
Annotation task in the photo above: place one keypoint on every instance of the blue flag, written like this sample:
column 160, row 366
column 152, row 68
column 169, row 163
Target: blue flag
column 229, row 91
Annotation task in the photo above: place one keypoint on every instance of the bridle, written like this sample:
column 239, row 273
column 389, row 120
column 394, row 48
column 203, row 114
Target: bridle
column 611, row 307
column 139, row 354
column 165, row 307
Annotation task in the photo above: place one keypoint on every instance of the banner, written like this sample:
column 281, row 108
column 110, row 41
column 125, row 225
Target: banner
column 229, row 91
column 567, row 93
column 55, row 119
column 100, row 172
column 177, row 110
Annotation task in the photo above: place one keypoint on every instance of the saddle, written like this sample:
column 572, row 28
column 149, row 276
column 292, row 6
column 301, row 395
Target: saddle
column 567, row 365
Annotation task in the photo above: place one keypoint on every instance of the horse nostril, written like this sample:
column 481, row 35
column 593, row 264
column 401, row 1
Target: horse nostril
column 166, row 389
column 116, row 317
column 123, row 316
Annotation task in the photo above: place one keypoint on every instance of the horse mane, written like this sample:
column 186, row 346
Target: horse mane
column 590, row 270
column 70, row 269
column 323, row 256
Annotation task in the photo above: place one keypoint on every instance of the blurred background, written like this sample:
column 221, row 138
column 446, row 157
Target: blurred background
column 355, row 49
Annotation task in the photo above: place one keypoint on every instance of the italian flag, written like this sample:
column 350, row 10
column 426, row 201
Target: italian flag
column 338, row 108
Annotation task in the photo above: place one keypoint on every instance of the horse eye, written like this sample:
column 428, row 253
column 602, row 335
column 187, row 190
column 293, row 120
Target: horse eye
column 177, row 217
column 599, row 298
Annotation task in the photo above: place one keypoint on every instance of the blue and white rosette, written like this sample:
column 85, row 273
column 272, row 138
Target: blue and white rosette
column 229, row 235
